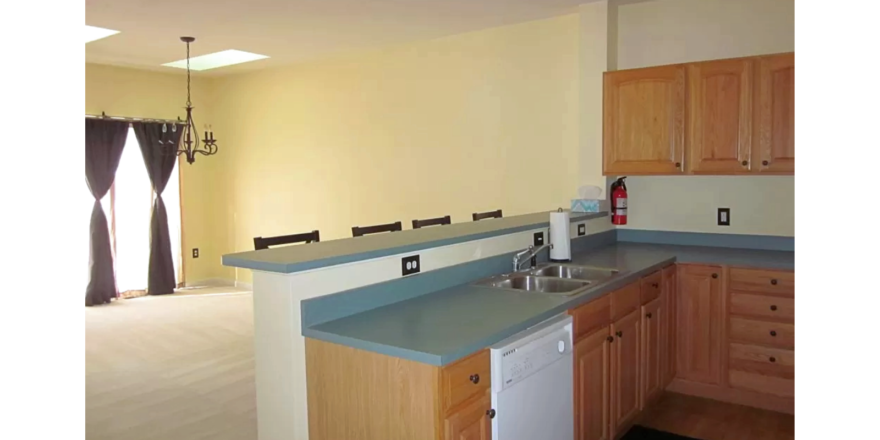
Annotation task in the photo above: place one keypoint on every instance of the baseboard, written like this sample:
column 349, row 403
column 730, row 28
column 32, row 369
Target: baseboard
column 733, row 395
column 244, row 285
column 210, row 282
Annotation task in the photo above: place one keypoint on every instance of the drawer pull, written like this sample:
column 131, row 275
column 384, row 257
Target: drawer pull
column 773, row 281
column 772, row 359
column 772, row 332
column 475, row 378
column 745, row 162
column 619, row 334
column 656, row 285
column 678, row 164
column 714, row 275
column 648, row 316
column 610, row 339
column 773, row 307
column 490, row 413
column 765, row 163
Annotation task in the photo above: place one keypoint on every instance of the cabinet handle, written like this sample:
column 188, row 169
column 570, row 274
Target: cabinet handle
column 773, row 333
column 678, row 164
column 656, row 285
column 490, row 413
column 765, row 163
column 773, row 307
column 772, row 359
column 475, row 378
column 619, row 334
column 610, row 339
column 714, row 275
column 745, row 163
column 648, row 316
column 773, row 281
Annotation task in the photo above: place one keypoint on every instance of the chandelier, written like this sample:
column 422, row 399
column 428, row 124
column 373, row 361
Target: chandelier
column 190, row 137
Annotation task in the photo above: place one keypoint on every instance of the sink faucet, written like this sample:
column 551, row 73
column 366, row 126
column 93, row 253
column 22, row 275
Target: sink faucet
column 527, row 254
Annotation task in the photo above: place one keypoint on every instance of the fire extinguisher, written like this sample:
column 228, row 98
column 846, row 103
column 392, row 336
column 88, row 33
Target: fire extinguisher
column 618, row 202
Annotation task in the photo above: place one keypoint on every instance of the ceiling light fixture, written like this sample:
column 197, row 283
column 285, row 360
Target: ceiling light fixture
column 95, row 33
column 217, row 59
column 190, row 136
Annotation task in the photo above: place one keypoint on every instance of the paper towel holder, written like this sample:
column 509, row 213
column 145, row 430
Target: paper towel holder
column 559, row 236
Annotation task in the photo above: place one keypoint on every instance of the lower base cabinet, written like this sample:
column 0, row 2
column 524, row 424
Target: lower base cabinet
column 592, row 382
column 470, row 422
column 653, row 325
column 625, row 380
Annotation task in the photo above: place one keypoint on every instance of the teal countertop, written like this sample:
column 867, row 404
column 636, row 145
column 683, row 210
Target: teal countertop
column 289, row 259
column 441, row 327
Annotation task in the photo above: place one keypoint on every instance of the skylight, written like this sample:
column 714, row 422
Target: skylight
column 95, row 33
column 217, row 59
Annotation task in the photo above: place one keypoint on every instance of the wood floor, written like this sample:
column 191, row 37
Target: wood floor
column 176, row 367
column 706, row 419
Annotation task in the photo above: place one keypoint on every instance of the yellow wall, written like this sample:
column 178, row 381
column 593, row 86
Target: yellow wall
column 472, row 122
column 677, row 31
column 136, row 93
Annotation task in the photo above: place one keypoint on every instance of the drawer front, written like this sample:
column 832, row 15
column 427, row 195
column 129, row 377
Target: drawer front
column 766, row 361
column 650, row 286
column 764, row 333
column 591, row 316
column 625, row 301
column 762, row 306
column 771, row 282
column 465, row 378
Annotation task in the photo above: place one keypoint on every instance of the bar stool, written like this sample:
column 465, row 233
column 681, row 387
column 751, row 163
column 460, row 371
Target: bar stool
column 445, row 220
column 306, row 237
column 485, row 215
column 358, row 231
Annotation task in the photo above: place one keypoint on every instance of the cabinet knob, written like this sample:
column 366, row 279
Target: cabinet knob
column 610, row 339
column 773, row 307
column 655, row 285
column 648, row 316
column 475, row 378
column 490, row 413
column 773, row 282
column 773, row 333
column 765, row 163
column 678, row 164
column 714, row 275
column 772, row 359
column 619, row 334
column 745, row 163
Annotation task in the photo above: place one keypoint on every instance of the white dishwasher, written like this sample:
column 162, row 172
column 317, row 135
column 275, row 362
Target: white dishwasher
column 532, row 383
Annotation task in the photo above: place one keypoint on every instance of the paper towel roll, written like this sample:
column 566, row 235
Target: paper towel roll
column 559, row 238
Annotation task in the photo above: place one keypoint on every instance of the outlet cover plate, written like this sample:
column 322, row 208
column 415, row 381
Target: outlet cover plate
column 410, row 265
column 195, row 252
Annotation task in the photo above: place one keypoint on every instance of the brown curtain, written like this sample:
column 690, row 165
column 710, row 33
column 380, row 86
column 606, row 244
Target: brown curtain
column 104, row 142
column 159, row 148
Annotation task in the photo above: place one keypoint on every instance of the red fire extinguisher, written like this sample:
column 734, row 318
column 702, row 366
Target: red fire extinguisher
column 618, row 202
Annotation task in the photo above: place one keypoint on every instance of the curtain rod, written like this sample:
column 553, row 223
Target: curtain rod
column 128, row 119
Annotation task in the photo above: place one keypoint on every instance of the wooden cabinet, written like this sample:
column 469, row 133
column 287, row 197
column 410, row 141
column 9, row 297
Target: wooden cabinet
column 774, row 114
column 653, row 319
column 625, row 366
column 643, row 121
column 592, row 355
column 700, row 318
column 668, row 334
column 470, row 422
column 719, row 115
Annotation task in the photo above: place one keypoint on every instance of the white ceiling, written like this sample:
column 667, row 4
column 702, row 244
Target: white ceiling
column 288, row 31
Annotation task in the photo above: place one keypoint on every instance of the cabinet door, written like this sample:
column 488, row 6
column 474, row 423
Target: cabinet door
column 625, row 383
column 653, row 319
column 699, row 324
column 719, row 134
column 668, row 333
column 591, row 386
column 643, row 121
column 471, row 421
column 774, row 114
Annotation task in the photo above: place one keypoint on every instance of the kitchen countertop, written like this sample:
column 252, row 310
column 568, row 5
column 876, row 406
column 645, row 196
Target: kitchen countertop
column 442, row 327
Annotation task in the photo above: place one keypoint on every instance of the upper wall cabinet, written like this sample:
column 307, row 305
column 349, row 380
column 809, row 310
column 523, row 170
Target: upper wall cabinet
column 719, row 123
column 774, row 114
column 732, row 116
column 644, row 121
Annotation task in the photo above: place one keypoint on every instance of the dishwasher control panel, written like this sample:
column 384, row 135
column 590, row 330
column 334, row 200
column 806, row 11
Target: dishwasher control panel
column 522, row 355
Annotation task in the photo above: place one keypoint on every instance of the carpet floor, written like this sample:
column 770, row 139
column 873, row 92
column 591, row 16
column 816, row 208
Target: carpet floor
column 175, row 367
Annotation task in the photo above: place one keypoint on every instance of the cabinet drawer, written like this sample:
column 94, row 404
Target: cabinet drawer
column 762, row 306
column 771, row 282
column 625, row 301
column 776, row 362
column 765, row 333
column 465, row 378
column 591, row 316
column 650, row 287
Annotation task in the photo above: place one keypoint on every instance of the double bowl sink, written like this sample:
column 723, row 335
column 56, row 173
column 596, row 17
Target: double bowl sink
column 552, row 278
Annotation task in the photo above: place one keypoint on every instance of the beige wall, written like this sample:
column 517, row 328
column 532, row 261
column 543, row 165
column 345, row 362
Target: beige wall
column 136, row 93
column 472, row 122
column 676, row 31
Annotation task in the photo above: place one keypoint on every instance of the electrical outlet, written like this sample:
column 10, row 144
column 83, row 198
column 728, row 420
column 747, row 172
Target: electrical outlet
column 195, row 252
column 723, row 216
column 582, row 229
column 410, row 265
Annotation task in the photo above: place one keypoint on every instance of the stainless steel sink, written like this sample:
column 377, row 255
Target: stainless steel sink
column 574, row 272
column 531, row 283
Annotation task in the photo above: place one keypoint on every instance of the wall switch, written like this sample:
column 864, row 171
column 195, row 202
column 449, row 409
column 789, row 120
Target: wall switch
column 723, row 216
column 582, row 229
column 195, row 252
column 539, row 239
column 410, row 265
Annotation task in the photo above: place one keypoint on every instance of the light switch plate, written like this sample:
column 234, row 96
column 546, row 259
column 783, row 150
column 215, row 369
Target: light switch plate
column 582, row 229
column 723, row 216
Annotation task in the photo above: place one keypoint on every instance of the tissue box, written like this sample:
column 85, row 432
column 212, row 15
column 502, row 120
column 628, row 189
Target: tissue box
column 585, row 205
